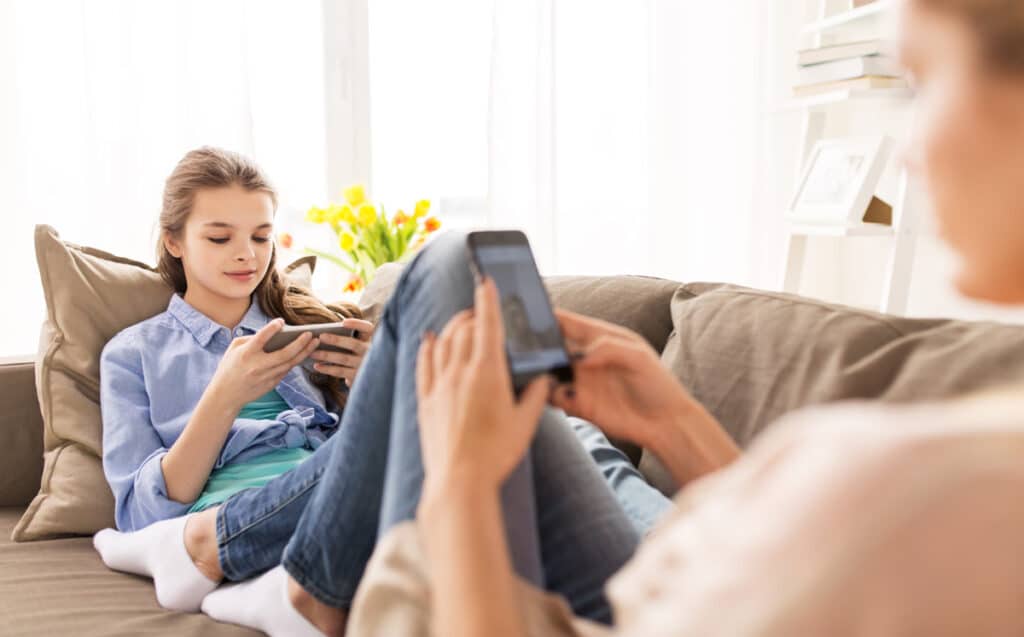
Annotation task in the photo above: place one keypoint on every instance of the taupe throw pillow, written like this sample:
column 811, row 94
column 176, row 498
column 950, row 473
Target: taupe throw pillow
column 751, row 356
column 90, row 295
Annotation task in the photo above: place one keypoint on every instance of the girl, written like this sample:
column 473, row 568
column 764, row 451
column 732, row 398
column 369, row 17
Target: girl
column 194, row 410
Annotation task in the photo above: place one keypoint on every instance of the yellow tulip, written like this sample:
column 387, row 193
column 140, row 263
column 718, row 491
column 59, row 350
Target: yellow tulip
column 422, row 208
column 316, row 215
column 347, row 215
column 366, row 213
column 333, row 214
column 347, row 241
column 355, row 195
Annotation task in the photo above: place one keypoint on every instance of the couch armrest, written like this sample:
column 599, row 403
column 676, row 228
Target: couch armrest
column 21, row 433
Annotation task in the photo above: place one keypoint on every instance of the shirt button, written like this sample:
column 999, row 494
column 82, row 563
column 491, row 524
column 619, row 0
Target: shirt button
column 238, row 332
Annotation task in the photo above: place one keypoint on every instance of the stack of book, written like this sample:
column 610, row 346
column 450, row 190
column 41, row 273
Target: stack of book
column 853, row 65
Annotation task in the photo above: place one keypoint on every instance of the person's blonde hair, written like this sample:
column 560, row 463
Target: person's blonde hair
column 998, row 25
column 209, row 167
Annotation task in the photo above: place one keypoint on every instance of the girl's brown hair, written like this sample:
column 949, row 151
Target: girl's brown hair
column 209, row 167
column 999, row 26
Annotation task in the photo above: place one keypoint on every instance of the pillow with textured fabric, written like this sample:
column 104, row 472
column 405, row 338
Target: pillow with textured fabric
column 751, row 356
column 90, row 296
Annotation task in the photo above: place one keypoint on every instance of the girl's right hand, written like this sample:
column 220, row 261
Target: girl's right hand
column 246, row 372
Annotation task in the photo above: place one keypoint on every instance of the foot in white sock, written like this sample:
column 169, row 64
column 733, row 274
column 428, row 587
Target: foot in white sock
column 159, row 552
column 261, row 603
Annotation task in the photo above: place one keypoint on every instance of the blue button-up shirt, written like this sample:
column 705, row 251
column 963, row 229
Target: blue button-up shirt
column 152, row 375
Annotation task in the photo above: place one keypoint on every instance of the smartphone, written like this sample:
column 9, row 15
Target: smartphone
column 533, row 338
column 289, row 333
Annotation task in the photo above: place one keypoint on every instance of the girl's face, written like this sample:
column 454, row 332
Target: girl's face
column 968, row 146
column 226, row 244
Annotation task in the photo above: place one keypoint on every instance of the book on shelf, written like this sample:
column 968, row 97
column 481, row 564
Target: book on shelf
column 876, row 65
column 821, row 55
column 860, row 83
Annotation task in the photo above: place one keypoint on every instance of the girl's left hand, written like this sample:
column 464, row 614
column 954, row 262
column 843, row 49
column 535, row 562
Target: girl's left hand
column 472, row 429
column 343, row 365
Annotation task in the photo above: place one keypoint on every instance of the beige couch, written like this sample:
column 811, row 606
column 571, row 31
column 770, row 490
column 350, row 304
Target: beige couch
column 749, row 356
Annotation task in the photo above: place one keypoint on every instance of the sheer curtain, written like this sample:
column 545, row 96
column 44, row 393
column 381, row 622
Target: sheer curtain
column 625, row 135
column 101, row 98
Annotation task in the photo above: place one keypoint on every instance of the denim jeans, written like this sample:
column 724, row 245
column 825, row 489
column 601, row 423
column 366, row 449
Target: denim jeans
column 566, row 530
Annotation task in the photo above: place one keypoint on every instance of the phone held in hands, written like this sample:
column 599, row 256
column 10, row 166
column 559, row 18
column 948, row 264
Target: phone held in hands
column 289, row 333
column 533, row 338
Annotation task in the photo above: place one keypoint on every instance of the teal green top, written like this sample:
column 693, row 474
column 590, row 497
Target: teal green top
column 254, row 472
column 266, row 407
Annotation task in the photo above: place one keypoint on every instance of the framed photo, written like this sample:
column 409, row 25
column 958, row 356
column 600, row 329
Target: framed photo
column 839, row 180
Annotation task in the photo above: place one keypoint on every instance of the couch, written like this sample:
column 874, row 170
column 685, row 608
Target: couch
column 748, row 355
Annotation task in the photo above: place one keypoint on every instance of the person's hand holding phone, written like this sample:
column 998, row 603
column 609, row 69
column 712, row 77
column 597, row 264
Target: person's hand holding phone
column 246, row 372
column 345, row 365
column 622, row 387
column 471, row 426
column 620, row 383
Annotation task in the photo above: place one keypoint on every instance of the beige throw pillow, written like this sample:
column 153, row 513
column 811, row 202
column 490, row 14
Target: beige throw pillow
column 90, row 295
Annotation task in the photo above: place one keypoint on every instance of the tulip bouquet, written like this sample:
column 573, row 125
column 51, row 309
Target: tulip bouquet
column 367, row 237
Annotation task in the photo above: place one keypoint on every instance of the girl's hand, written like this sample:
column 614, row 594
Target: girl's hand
column 246, row 372
column 471, row 426
column 339, row 364
column 620, row 383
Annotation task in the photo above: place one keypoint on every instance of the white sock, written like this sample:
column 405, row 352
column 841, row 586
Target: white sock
column 261, row 603
column 159, row 552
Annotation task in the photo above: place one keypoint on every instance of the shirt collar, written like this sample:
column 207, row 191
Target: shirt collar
column 203, row 328
column 255, row 319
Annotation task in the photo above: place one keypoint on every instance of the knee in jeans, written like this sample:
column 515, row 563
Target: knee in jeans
column 446, row 252
column 443, row 259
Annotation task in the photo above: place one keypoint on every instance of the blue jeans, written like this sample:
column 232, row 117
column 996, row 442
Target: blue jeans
column 566, row 530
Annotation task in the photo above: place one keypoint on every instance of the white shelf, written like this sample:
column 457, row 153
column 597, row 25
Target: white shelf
column 859, row 16
column 832, row 230
column 822, row 100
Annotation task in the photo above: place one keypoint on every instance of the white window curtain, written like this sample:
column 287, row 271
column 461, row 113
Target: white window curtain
column 102, row 97
column 625, row 136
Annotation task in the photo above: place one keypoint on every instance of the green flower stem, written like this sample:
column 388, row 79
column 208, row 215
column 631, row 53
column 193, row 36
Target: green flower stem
column 333, row 259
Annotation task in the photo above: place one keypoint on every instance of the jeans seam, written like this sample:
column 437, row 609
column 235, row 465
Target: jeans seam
column 226, row 566
column 312, row 483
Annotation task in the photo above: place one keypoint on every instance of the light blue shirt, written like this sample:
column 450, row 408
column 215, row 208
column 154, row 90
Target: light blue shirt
column 152, row 375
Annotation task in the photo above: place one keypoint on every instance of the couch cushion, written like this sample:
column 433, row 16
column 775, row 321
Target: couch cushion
column 60, row 587
column 750, row 356
column 21, row 434
column 90, row 296
column 637, row 302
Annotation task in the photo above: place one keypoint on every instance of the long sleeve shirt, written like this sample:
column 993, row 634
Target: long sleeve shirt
column 152, row 375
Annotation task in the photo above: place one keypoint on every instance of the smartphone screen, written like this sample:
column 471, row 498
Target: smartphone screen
column 533, row 338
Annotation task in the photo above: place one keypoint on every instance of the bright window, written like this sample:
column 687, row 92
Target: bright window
column 429, row 73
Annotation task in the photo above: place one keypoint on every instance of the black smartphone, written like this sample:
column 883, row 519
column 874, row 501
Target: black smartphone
column 533, row 338
column 289, row 333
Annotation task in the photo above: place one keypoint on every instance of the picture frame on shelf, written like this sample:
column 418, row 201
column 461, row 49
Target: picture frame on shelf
column 839, row 180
